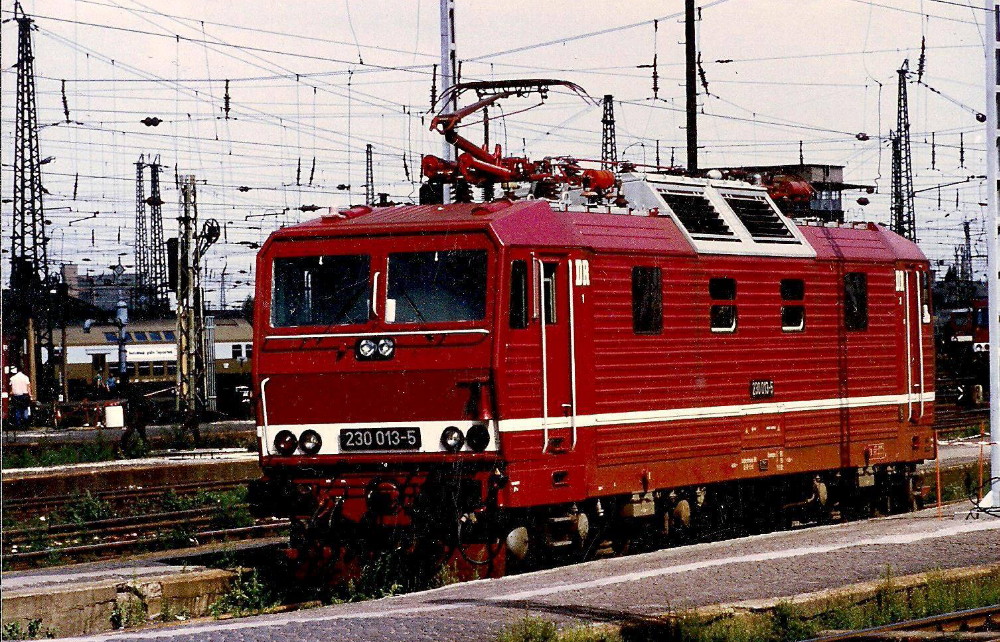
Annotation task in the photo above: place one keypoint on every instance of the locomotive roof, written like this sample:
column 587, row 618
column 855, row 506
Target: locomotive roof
column 541, row 223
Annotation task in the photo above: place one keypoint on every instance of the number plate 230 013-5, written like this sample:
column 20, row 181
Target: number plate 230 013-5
column 379, row 439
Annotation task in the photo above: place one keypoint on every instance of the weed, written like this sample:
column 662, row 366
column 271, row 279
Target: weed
column 247, row 595
column 446, row 576
column 86, row 508
column 44, row 456
column 129, row 612
column 31, row 631
column 536, row 629
column 178, row 537
column 787, row 623
column 231, row 509
column 531, row 629
column 378, row 578
column 167, row 613
column 171, row 501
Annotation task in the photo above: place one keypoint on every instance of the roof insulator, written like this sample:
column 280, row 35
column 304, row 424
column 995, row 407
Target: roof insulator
column 355, row 211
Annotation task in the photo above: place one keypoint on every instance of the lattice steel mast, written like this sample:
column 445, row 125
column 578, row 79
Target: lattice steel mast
column 903, row 216
column 30, row 282
column 369, row 177
column 140, row 287
column 609, row 147
column 159, row 303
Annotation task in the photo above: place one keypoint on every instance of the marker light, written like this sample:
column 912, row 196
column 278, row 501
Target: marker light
column 285, row 442
column 452, row 439
column 310, row 442
column 478, row 437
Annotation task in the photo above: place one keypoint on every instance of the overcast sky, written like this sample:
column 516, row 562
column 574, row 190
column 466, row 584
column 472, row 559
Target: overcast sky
column 324, row 79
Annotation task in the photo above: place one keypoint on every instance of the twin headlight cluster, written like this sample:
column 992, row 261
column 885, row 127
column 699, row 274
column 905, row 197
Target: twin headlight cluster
column 285, row 442
column 375, row 349
column 478, row 438
column 452, row 440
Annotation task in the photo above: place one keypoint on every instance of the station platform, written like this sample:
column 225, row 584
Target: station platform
column 631, row 589
column 175, row 468
column 84, row 598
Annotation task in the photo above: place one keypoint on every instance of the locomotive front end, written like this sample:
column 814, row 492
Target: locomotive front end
column 373, row 373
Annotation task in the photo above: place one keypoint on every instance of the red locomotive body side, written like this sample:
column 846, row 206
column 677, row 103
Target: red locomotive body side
column 613, row 357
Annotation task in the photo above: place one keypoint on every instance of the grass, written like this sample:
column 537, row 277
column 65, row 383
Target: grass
column 536, row 629
column 249, row 594
column 787, row 622
column 229, row 511
column 43, row 456
column 99, row 450
column 129, row 613
column 32, row 630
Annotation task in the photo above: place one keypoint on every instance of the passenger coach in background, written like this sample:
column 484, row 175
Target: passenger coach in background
column 484, row 383
column 152, row 359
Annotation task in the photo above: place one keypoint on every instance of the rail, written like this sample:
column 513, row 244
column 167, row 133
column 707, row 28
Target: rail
column 29, row 506
column 984, row 619
column 174, row 541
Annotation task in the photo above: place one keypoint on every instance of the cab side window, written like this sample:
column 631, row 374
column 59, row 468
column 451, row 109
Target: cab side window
column 519, row 295
column 647, row 300
column 856, row 301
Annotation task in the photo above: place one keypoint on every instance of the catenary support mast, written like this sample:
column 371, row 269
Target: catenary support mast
column 160, row 305
column 993, row 246
column 448, row 62
column 32, row 287
column 690, row 80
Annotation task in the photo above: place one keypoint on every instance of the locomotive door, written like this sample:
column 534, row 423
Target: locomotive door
column 554, row 308
column 916, row 313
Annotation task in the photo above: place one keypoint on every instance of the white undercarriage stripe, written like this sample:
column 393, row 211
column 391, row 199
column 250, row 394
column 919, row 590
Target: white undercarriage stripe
column 710, row 412
column 618, row 418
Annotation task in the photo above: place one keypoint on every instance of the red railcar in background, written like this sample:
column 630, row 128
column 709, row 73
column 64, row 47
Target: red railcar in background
column 539, row 375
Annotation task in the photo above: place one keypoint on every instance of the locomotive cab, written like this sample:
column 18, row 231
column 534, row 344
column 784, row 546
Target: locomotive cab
column 375, row 350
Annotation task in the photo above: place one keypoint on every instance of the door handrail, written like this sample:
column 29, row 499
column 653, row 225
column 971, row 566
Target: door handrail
column 572, row 352
column 920, row 337
column 909, row 351
column 545, row 372
column 263, row 400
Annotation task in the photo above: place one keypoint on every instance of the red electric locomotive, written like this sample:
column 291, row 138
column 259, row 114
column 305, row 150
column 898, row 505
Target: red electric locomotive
column 525, row 377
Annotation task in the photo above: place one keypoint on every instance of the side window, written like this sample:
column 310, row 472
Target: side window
column 856, row 301
column 793, row 315
column 647, row 300
column 926, row 296
column 249, row 350
column 723, row 316
column 237, row 351
column 519, row 295
column 550, row 289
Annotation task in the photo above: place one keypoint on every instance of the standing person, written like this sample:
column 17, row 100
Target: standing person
column 20, row 398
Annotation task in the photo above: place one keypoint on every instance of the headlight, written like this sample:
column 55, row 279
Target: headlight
column 386, row 347
column 478, row 437
column 452, row 439
column 366, row 348
column 310, row 442
column 285, row 442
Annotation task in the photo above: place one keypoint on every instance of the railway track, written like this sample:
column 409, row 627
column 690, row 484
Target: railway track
column 950, row 417
column 163, row 529
column 108, row 539
column 971, row 624
column 33, row 506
